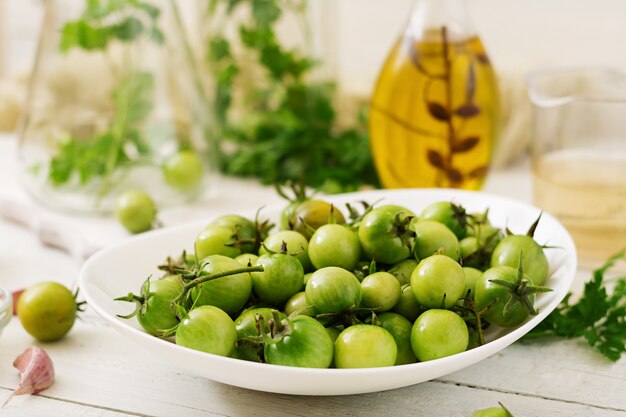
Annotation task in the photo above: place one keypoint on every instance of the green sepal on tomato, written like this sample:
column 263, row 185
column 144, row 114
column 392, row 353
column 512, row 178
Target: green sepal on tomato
column 534, row 260
column 289, row 242
column 385, row 234
column 453, row 216
column 509, row 293
column 244, row 231
column 154, row 310
column 250, row 325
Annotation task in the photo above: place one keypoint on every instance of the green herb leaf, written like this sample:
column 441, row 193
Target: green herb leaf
column 105, row 21
column 598, row 317
column 287, row 130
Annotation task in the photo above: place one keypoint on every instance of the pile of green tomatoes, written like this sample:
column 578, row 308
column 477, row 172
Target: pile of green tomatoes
column 375, row 286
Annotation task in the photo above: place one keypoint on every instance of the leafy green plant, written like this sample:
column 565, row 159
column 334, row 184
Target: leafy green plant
column 288, row 132
column 102, row 23
column 599, row 316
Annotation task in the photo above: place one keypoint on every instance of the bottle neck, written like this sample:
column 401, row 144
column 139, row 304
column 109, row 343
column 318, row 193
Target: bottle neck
column 428, row 17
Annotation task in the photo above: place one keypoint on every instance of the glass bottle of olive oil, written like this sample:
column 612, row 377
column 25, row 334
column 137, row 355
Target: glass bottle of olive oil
column 434, row 111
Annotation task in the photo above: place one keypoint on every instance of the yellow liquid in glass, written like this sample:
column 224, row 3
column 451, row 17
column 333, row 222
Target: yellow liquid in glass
column 587, row 193
column 434, row 114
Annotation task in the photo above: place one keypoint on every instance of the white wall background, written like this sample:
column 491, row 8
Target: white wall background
column 518, row 34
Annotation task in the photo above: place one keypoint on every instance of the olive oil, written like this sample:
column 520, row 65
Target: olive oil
column 434, row 113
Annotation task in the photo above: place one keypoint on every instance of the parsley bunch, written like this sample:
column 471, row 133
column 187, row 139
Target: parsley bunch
column 598, row 316
column 102, row 22
column 288, row 130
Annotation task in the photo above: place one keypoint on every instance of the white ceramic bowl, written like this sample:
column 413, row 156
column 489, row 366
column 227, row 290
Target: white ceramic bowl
column 6, row 308
column 117, row 270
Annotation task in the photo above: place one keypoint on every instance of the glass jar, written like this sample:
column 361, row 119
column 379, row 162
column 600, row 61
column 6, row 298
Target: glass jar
column 579, row 155
column 434, row 112
column 103, row 112
column 272, row 98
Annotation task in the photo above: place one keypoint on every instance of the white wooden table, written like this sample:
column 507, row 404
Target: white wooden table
column 101, row 374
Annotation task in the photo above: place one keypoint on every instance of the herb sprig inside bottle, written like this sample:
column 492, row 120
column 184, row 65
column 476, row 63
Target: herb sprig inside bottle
column 101, row 25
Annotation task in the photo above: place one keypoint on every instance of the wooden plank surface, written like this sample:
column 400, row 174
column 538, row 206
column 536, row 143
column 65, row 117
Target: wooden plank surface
column 95, row 366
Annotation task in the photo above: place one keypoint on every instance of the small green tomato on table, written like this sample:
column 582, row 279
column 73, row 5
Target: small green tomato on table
column 136, row 211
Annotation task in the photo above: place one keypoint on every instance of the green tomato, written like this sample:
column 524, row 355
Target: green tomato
column 492, row 412
column 534, row 261
column 403, row 270
column 408, row 305
column 333, row 290
column 472, row 275
column 241, row 227
column 307, row 344
column 156, row 314
column 306, row 278
column 395, row 209
column 136, row 211
column 246, row 327
column 216, row 240
column 297, row 246
column 451, row 215
column 431, row 237
column 400, row 329
column 247, row 259
column 435, row 278
column 365, row 346
column 334, row 245
column 297, row 305
column 246, row 323
column 380, row 291
column 476, row 252
column 488, row 291
column 183, row 170
column 229, row 293
column 438, row 333
column 47, row 311
column 208, row 329
column 307, row 216
column 467, row 247
column 281, row 278
column 384, row 234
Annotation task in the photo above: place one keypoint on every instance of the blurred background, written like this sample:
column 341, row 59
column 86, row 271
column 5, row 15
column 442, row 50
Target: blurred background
column 356, row 36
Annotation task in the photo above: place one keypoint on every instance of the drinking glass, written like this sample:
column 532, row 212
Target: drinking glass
column 579, row 155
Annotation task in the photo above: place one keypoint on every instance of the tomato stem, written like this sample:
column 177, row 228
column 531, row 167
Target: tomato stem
column 205, row 278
